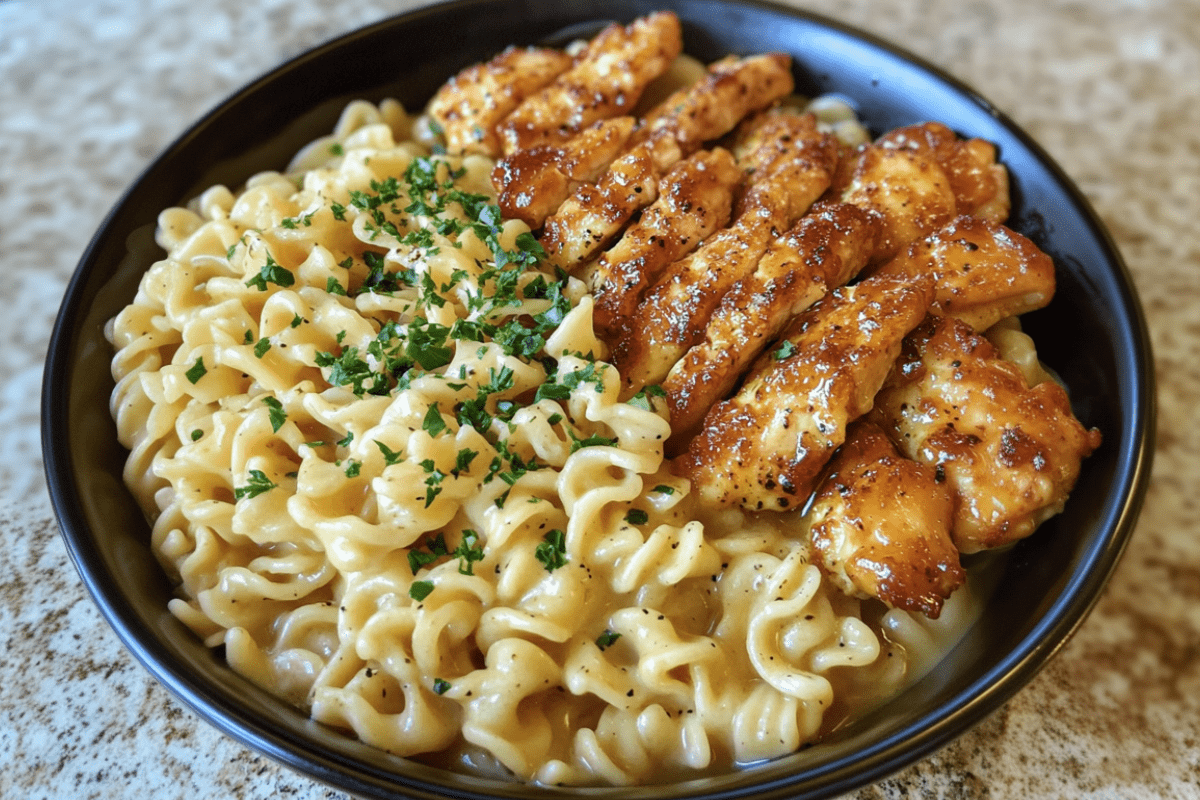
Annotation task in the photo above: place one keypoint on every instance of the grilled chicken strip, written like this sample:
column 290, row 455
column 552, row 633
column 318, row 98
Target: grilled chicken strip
column 605, row 81
column 1010, row 453
column 694, row 200
column 766, row 446
column 531, row 184
column 594, row 214
column 880, row 526
column 733, row 88
column 984, row 272
column 824, row 250
column 979, row 183
column 791, row 165
column 470, row 105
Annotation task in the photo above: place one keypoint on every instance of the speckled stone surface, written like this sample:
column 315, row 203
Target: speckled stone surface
column 91, row 90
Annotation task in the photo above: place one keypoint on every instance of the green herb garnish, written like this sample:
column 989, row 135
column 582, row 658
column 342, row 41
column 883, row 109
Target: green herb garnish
column 552, row 552
column 197, row 371
column 271, row 272
column 607, row 639
column 278, row 415
column 637, row 516
column 257, row 484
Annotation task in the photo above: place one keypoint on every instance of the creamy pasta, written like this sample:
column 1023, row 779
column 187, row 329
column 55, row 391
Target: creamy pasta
column 386, row 464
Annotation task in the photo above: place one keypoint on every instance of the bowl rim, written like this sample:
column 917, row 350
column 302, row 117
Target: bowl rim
column 925, row 735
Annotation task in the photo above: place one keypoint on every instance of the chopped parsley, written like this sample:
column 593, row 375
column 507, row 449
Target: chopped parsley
column 637, row 516
column 594, row 440
column 552, row 551
column 378, row 204
column 291, row 222
column 462, row 461
column 348, row 369
column 390, row 456
column 278, row 415
column 261, row 347
column 642, row 398
column 785, row 350
column 433, row 480
column 271, row 272
column 420, row 590
column 381, row 281
column 559, row 387
column 474, row 412
column 427, row 345
column 440, row 686
column 257, row 484
column 197, row 371
column 469, row 550
column 418, row 558
column 433, row 423
column 607, row 639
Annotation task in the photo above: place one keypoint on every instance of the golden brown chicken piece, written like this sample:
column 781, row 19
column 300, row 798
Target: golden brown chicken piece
column 979, row 183
column 824, row 250
column 733, row 88
column 694, row 199
column 790, row 168
column 984, row 272
column 594, row 214
column 470, row 105
column 765, row 136
column 907, row 188
column 605, row 81
column 531, row 184
column 1010, row 453
column 766, row 446
column 880, row 526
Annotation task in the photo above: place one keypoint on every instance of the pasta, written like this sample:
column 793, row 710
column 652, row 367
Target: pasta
column 391, row 472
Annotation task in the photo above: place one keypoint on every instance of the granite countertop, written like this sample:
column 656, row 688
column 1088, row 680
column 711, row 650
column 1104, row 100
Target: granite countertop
column 91, row 90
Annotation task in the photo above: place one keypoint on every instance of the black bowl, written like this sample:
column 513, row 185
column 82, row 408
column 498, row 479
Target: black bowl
column 1093, row 334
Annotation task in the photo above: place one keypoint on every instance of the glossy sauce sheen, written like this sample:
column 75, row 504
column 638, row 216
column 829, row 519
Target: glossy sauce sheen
column 1011, row 452
column 766, row 447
